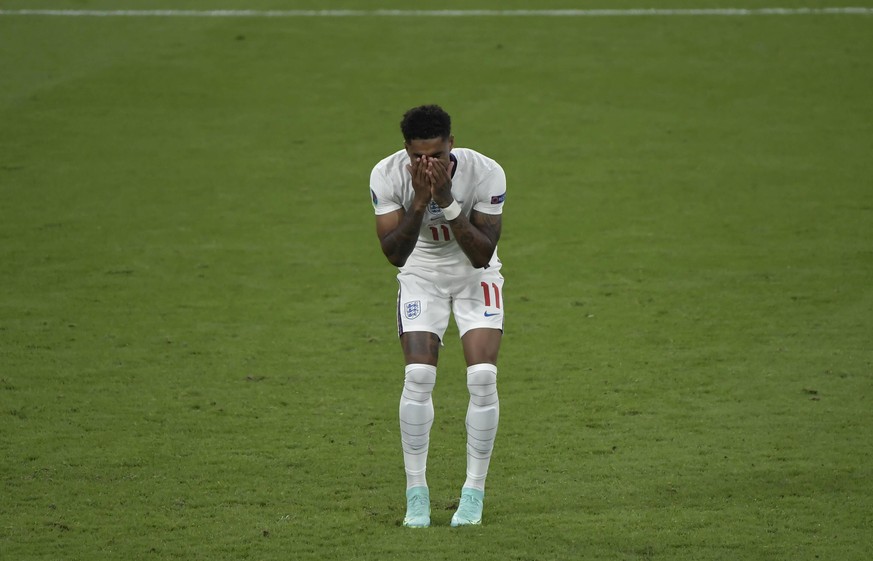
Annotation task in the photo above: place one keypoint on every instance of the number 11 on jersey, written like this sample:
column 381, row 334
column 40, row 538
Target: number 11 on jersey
column 444, row 229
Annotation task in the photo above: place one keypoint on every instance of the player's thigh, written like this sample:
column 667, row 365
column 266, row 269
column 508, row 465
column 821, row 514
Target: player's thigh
column 478, row 302
column 481, row 345
column 420, row 347
column 423, row 312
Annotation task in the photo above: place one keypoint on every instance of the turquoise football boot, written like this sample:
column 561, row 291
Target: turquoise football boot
column 417, row 508
column 469, row 511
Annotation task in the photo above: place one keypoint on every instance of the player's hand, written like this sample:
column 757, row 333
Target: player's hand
column 440, row 175
column 421, row 182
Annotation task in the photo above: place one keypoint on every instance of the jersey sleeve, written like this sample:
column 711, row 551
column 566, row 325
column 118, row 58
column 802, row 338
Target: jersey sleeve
column 384, row 197
column 491, row 192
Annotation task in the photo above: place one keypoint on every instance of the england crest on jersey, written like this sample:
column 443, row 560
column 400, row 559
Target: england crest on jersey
column 412, row 309
column 434, row 208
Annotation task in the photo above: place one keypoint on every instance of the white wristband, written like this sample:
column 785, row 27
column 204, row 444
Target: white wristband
column 452, row 211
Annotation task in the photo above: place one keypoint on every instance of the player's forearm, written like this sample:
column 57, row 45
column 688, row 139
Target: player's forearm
column 477, row 245
column 398, row 244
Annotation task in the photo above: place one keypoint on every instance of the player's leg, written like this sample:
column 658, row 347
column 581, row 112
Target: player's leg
column 420, row 347
column 421, row 350
column 480, row 319
column 422, row 319
column 481, row 345
column 416, row 403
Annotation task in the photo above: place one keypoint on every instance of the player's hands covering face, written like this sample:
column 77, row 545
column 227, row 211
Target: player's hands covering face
column 421, row 182
column 439, row 173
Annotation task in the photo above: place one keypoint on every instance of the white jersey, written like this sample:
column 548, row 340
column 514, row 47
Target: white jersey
column 478, row 183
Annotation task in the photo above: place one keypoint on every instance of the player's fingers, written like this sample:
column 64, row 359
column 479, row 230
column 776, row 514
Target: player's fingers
column 440, row 173
column 423, row 176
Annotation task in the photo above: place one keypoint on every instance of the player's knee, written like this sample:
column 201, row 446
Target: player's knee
column 420, row 379
column 482, row 384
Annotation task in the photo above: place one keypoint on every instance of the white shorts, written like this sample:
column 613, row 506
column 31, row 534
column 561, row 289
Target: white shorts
column 426, row 299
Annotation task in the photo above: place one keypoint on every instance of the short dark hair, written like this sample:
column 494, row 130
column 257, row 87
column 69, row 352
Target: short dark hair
column 425, row 122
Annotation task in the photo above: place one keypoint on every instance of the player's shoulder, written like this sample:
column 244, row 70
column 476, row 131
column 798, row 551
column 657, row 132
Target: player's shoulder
column 392, row 163
column 475, row 160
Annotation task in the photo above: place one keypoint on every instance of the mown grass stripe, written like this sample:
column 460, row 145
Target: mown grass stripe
column 446, row 13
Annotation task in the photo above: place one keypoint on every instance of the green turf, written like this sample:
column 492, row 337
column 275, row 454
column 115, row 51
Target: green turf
column 197, row 349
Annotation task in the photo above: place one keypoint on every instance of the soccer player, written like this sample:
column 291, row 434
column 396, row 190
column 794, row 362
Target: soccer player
column 438, row 218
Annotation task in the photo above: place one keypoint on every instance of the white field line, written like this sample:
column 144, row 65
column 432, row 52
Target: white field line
column 443, row 13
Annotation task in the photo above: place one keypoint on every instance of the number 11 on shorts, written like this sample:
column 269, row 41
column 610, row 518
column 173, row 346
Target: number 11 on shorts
column 486, row 289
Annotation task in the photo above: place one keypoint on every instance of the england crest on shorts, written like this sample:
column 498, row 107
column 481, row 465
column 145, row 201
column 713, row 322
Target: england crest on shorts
column 412, row 309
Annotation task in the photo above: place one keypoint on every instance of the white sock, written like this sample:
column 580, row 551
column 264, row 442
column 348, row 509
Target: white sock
column 483, row 414
column 416, row 418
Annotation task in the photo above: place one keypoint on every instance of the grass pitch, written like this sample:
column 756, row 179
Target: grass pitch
column 197, row 349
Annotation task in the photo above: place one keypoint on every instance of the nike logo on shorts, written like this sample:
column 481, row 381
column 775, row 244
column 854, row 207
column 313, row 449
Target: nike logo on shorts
column 487, row 315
